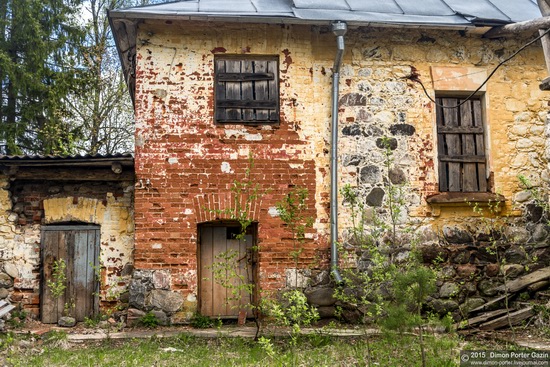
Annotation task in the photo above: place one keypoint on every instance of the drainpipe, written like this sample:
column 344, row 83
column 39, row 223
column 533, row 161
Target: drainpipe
column 339, row 29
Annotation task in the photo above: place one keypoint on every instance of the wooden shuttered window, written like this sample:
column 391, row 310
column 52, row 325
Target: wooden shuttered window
column 461, row 146
column 247, row 89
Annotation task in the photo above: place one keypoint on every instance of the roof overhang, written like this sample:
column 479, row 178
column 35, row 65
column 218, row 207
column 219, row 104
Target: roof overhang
column 118, row 167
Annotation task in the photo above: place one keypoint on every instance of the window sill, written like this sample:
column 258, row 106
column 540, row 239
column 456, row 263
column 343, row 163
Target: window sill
column 463, row 199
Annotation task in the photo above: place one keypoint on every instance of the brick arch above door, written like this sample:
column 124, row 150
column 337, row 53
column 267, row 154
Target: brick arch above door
column 73, row 209
column 224, row 206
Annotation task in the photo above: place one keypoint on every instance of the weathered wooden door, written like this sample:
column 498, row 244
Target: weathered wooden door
column 226, row 267
column 78, row 247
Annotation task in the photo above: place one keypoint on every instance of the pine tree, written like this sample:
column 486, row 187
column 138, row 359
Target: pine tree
column 39, row 66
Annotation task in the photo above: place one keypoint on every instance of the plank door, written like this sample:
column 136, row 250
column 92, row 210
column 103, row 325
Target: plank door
column 78, row 246
column 216, row 245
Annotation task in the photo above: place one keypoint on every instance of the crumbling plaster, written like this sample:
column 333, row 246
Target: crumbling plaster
column 181, row 154
column 34, row 205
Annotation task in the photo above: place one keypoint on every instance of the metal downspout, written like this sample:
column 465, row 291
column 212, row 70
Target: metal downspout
column 339, row 29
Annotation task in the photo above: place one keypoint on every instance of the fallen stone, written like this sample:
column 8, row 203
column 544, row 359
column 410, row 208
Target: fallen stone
column 104, row 324
column 163, row 300
column 66, row 321
column 322, row 296
column 133, row 317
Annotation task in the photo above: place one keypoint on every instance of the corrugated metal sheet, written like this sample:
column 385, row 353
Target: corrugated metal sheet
column 414, row 12
column 452, row 14
column 80, row 158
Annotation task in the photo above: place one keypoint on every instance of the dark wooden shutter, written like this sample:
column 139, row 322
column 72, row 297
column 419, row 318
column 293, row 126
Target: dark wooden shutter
column 247, row 89
column 78, row 246
column 461, row 146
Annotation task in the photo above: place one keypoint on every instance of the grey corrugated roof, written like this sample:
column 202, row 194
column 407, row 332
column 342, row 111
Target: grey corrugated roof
column 452, row 14
column 412, row 12
column 123, row 158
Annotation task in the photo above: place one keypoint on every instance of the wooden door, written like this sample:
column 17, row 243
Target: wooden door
column 78, row 247
column 226, row 266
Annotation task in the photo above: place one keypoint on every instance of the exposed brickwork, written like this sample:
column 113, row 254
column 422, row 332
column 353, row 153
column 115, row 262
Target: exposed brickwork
column 186, row 164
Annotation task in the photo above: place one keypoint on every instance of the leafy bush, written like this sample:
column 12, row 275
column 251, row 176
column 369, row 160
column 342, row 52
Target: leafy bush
column 149, row 320
column 201, row 322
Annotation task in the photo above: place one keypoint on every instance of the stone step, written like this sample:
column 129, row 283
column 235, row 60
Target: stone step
column 5, row 307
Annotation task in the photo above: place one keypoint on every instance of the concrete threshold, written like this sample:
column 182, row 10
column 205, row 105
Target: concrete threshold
column 231, row 332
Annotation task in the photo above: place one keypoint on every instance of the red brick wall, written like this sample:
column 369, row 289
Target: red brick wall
column 179, row 156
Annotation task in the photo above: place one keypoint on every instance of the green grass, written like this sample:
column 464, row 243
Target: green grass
column 187, row 350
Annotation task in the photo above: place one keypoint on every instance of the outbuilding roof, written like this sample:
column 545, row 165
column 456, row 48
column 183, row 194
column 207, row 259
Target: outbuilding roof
column 125, row 159
column 450, row 14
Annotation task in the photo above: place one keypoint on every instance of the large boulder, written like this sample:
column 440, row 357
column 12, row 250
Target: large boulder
column 167, row 301
column 320, row 296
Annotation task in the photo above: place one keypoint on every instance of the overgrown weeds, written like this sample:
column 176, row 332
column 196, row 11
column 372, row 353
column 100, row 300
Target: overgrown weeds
column 389, row 349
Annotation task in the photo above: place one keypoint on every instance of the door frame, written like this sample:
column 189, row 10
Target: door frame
column 251, row 230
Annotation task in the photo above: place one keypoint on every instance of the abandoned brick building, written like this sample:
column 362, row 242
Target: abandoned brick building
column 311, row 94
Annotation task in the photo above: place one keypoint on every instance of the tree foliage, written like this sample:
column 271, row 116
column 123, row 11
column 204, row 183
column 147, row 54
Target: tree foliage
column 61, row 86
column 38, row 67
column 101, row 109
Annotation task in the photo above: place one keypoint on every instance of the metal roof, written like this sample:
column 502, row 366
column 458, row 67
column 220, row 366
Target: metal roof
column 126, row 159
column 404, row 12
column 450, row 14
